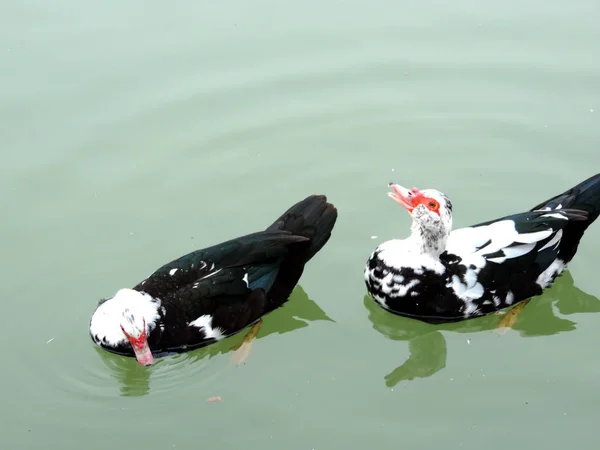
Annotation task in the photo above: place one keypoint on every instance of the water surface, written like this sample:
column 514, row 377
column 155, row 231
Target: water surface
column 132, row 133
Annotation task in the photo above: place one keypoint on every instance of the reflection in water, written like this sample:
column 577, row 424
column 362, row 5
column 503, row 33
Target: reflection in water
column 135, row 379
column 428, row 346
column 427, row 356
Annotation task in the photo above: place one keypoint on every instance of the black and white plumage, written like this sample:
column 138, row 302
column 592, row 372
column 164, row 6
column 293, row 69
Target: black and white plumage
column 438, row 275
column 209, row 294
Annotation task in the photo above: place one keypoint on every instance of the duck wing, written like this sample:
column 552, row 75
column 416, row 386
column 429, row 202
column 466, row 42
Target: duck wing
column 258, row 254
column 503, row 261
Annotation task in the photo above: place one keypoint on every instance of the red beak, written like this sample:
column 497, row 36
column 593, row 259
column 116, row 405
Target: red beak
column 405, row 197
column 140, row 347
column 142, row 350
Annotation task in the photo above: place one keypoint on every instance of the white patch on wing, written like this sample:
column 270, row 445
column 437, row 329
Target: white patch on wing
column 473, row 244
column 205, row 324
column 211, row 274
column 105, row 325
column 528, row 238
column 172, row 271
column 554, row 269
column 556, row 216
column 513, row 252
column 518, row 250
column 554, row 241
column 246, row 280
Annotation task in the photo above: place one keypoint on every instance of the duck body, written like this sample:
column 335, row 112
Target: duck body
column 213, row 293
column 438, row 275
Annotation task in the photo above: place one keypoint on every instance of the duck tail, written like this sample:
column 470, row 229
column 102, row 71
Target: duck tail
column 583, row 198
column 313, row 218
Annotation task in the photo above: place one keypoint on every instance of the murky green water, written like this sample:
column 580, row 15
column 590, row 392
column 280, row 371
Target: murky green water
column 134, row 132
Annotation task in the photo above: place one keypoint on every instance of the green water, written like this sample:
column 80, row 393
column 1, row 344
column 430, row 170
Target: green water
column 134, row 132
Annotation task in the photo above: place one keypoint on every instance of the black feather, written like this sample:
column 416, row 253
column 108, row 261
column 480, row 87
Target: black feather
column 237, row 281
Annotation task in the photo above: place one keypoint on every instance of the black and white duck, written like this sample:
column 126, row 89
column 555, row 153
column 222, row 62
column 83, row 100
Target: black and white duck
column 212, row 293
column 442, row 275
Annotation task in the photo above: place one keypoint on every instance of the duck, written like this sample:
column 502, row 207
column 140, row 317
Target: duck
column 439, row 275
column 209, row 294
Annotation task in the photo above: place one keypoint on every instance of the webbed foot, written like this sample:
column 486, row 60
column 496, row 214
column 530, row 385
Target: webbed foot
column 509, row 319
column 242, row 351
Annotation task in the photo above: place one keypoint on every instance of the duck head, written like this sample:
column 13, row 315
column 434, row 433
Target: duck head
column 431, row 212
column 122, row 323
column 134, row 330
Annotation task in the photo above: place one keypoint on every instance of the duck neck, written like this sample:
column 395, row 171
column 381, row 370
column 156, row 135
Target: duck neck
column 430, row 240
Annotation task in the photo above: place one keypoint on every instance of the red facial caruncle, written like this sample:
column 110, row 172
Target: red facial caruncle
column 412, row 198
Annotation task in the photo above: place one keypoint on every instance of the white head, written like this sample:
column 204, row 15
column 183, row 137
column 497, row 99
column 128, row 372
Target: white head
column 431, row 212
column 126, row 320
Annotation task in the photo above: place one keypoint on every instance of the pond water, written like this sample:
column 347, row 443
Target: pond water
column 135, row 132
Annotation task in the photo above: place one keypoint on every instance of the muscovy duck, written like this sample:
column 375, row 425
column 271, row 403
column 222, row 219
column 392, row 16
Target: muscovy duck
column 215, row 292
column 437, row 275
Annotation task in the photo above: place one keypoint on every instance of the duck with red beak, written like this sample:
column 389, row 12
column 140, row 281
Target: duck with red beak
column 211, row 293
column 442, row 275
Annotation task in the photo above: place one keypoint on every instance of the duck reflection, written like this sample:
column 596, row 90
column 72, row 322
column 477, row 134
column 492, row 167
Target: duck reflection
column 297, row 313
column 427, row 345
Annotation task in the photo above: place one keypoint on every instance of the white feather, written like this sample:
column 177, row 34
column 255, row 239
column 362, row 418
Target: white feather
column 211, row 274
column 499, row 236
column 400, row 253
column 553, row 270
column 510, row 298
column 527, row 238
column 205, row 324
column 556, row 216
column 404, row 288
column 554, row 241
column 105, row 325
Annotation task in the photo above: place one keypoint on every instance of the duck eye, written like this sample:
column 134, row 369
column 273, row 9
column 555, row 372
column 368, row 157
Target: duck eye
column 432, row 205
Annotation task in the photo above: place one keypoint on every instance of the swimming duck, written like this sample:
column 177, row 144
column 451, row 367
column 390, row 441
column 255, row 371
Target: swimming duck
column 212, row 293
column 442, row 275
